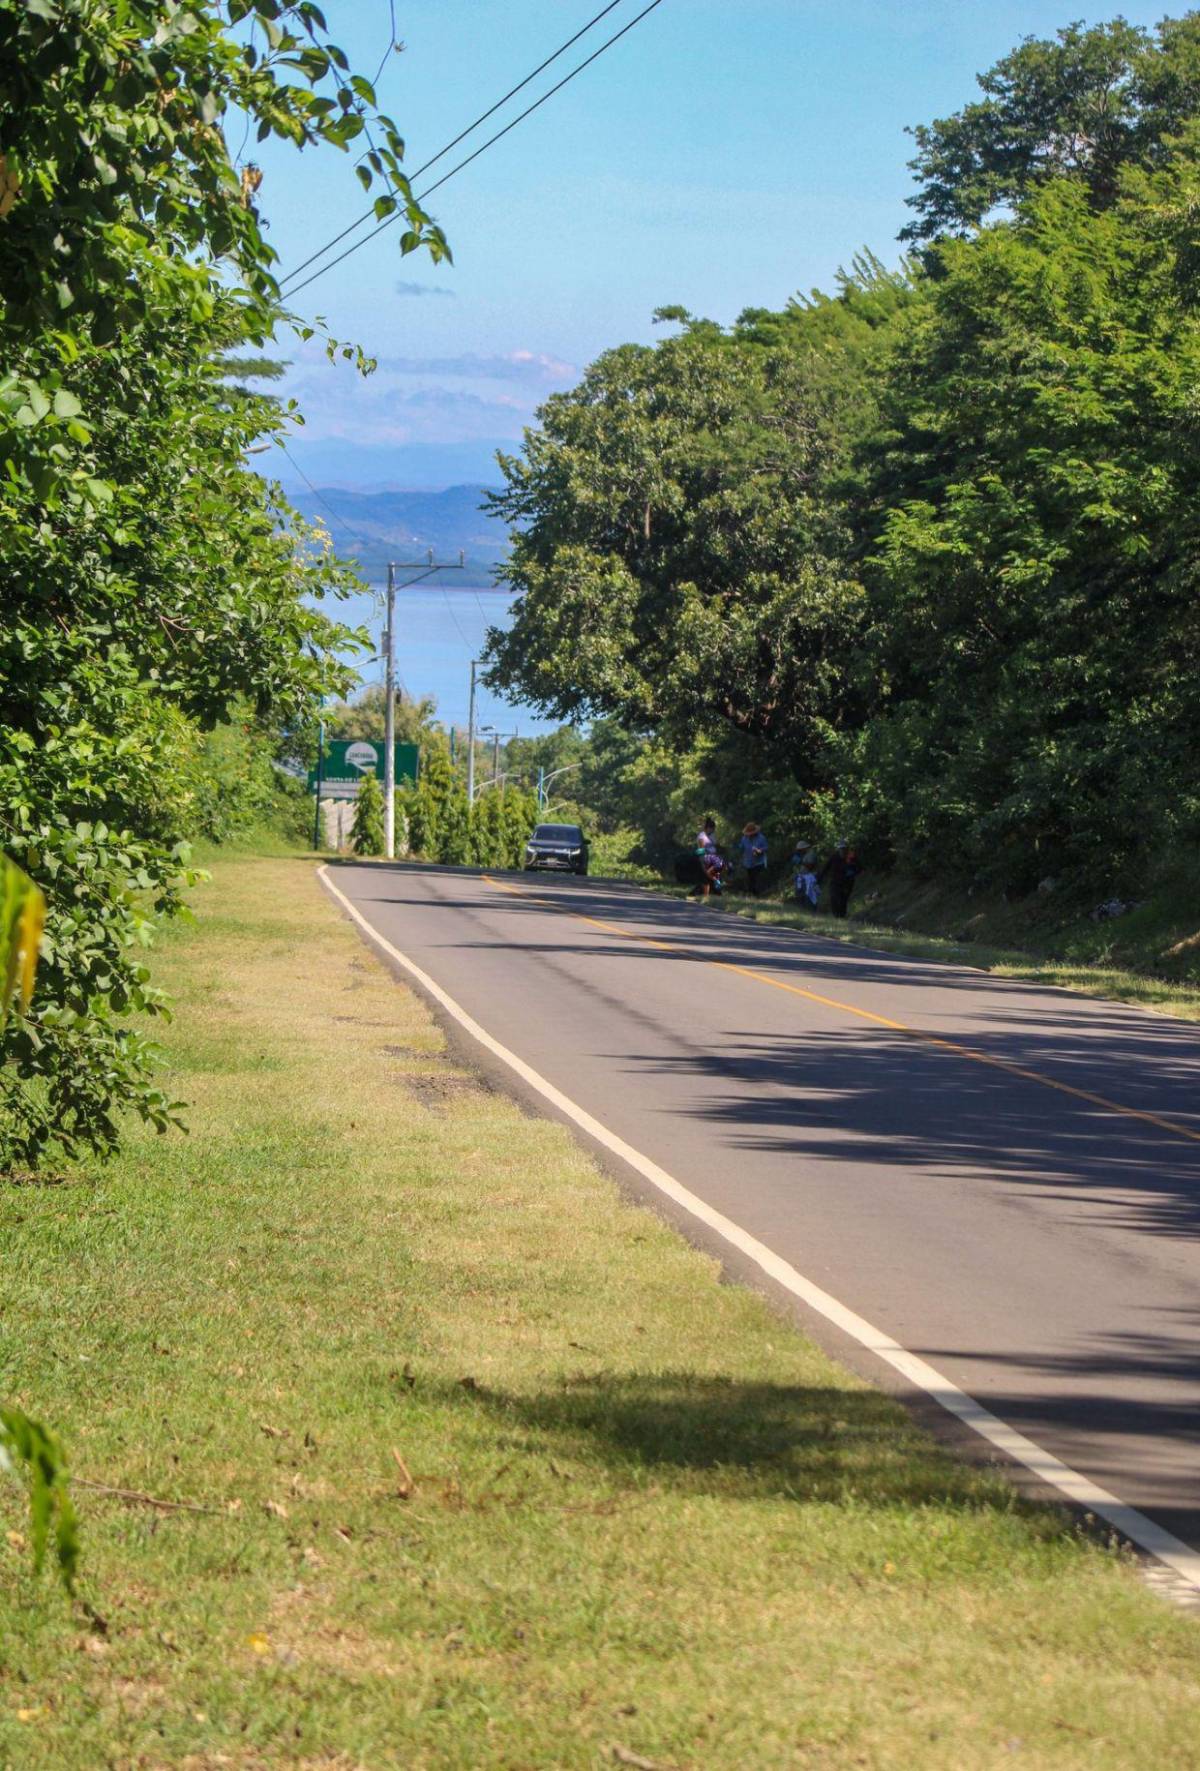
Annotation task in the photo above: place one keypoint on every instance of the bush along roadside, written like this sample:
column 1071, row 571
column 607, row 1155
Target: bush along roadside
column 28, row 1450
column 442, row 826
column 156, row 590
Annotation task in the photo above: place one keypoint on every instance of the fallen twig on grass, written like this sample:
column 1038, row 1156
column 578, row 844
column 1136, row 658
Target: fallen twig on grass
column 136, row 1496
column 407, row 1485
column 623, row 1756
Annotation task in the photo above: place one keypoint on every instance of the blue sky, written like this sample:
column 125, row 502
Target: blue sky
column 722, row 155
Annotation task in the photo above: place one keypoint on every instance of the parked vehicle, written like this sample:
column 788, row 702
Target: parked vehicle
column 560, row 847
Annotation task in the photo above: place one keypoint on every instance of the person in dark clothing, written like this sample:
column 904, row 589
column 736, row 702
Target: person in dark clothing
column 841, row 870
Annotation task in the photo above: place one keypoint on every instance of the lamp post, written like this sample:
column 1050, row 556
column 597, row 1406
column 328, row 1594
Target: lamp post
column 544, row 780
column 471, row 739
column 320, row 776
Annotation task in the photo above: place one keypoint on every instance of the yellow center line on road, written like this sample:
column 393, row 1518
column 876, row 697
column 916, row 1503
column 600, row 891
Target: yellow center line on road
column 1170, row 1126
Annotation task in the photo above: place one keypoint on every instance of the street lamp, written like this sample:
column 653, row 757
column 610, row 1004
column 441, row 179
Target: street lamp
column 545, row 779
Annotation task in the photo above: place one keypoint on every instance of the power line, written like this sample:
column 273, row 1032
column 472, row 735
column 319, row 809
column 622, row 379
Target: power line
column 450, row 611
column 461, row 136
column 491, row 141
column 319, row 496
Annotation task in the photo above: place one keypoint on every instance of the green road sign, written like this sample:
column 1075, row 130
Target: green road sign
column 346, row 761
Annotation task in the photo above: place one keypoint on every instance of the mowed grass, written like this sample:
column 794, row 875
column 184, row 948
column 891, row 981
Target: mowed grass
column 639, row 1520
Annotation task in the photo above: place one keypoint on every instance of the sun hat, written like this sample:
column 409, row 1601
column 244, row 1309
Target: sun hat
column 750, row 830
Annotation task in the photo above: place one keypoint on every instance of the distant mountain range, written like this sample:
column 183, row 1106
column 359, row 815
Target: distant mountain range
column 374, row 527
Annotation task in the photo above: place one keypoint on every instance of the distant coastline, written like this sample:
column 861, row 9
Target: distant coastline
column 373, row 528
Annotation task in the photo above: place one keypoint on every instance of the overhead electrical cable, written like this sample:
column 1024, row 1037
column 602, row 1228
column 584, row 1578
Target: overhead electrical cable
column 491, row 141
column 369, row 214
column 319, row 496
column 458, row 624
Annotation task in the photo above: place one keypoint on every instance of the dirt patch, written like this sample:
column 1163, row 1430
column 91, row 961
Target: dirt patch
column 437, row 1091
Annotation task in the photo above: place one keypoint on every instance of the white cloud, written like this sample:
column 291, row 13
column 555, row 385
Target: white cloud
column 518, row 365
column 423, row 289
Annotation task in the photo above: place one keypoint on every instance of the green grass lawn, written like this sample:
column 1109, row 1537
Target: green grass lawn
column 466, row 1462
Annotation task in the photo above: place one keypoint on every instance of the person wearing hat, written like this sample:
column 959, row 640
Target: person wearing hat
column 841, row 870
column 752, row 847
column 806, row 885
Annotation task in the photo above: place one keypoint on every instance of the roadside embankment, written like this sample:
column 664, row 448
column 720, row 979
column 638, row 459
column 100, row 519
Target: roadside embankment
column 400, row 1438
column 1147, row 953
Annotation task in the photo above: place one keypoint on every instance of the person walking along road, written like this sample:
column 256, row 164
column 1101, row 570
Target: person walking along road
column 752, row 849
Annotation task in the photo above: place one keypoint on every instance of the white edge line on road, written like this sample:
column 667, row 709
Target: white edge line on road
column 1132, row 1524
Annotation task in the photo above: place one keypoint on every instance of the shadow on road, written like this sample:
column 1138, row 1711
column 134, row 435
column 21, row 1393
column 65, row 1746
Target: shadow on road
column 842, row 1098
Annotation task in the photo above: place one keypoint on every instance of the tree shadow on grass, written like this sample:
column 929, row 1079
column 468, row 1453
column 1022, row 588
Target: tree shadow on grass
column 744, row 1440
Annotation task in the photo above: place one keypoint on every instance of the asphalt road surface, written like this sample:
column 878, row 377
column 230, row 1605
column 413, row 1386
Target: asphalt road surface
column 1004, row 1178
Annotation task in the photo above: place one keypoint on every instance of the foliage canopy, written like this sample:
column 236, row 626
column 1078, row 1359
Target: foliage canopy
column 917, row 562
column 154, row 588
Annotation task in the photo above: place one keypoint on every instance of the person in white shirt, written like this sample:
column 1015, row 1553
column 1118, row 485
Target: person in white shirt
column 706, row 854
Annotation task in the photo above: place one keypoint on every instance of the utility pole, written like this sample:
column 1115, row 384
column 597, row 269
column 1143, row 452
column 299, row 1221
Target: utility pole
column 320, row 776
column 424, row 569
column 496, row 759
column 471, row 740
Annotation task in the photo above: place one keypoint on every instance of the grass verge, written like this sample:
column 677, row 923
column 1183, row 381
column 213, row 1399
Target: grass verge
column 1150, row 957
column 458, row 1460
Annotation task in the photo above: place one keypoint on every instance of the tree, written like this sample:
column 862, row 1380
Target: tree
column 153, row 587
column 678, row 550
column 364, row 717
column 1082, row 105
column 116, row 164
column 1036, row 637
column 680, row 539
column 366, row 832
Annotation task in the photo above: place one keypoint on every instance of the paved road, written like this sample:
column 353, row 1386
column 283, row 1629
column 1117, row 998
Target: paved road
column 962, row 1184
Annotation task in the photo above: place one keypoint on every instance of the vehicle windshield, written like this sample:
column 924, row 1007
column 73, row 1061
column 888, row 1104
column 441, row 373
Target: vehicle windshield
column 557, row 833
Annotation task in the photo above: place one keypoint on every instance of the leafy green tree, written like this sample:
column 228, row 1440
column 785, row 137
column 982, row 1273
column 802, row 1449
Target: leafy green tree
column 1036, row 636
column 365, row 717
column 153, row 587
column 485, row 829
column 366, row 831
column 428, row 805
column 116, row 163
column 679, row 554
column 1082, row 105
column 515, row 822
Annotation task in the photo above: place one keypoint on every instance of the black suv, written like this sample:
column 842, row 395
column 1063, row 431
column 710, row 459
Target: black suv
column 562, row 847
